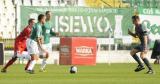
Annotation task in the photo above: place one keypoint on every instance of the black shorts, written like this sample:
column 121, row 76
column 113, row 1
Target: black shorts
column 140, row 48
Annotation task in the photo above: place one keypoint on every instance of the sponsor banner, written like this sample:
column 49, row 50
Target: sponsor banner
column 65, row 50
column 82, row 21
column 78, row 50
column 84, row 51
column 149, row 11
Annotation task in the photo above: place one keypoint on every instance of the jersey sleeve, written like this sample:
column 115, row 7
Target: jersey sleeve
column 144, row 30
column 27, row 32
column 38, row 31
column 52, row 33
column 43, row 29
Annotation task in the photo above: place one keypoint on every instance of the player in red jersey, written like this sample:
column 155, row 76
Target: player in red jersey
column 20, row 46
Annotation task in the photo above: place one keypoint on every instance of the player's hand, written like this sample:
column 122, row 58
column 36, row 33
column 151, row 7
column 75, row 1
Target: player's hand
column 129, row 32
column 145, row 50
column 58, row 34
column 44, row 50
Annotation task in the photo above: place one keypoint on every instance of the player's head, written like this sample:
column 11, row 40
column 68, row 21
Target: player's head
column 31, row 22
column 135, row 19
column 48, row 15
column 41, row 18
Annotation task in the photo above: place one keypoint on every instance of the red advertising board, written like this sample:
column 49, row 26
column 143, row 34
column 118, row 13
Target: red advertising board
column 78, row 51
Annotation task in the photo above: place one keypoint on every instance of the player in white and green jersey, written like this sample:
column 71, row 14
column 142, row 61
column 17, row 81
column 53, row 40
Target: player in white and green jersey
column 34, row 43
column 47, row 33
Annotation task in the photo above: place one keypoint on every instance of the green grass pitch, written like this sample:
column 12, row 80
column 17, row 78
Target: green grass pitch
column 99, row 74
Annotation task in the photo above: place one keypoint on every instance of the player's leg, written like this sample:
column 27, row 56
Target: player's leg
column 9, row 63
column 44, row 62
column 33, row 50
column 13, row 59
column 27, row 65
column 25, row 55
column 48, row 48
column 146, row 62
column 32, row 63
column 44, row 56
column 157, row 54
column 137, row 59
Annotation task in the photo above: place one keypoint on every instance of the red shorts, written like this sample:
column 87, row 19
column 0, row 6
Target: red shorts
column 19, row 46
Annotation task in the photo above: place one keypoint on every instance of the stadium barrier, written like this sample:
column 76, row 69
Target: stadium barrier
column 8, row 43
column 1, row 53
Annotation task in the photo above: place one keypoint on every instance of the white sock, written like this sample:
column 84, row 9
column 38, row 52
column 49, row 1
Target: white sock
column 43, row 65
column 32, row 64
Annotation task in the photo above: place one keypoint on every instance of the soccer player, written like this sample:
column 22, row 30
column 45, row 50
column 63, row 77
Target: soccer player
column 34, row 43
column 47, row 33
column 142, row 34
column 20, row 45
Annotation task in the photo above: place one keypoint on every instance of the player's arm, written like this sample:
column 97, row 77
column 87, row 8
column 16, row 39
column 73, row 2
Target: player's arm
column 39, row 38
column 26, row 33
column 23, row 33
column 145, row 41
column 39, row 42
column 145, row 36
column 132, row 34
column 145, row 33
column 53, row 33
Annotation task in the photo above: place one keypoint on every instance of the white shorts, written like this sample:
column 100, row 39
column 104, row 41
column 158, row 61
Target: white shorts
column 23, row 55
column 47, row 47
column 32, row 47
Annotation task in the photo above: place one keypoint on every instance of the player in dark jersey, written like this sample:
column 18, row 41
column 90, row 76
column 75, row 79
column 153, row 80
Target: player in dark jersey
column 20, row 46
column 142, row 34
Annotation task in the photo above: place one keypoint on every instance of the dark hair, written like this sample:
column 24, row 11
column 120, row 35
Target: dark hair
column 30, row 20
column 135, row 17
column 40, row 16
column 47, row 12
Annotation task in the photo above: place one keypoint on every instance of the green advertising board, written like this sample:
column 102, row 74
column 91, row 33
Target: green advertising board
column 149, row 11
column 82, row 21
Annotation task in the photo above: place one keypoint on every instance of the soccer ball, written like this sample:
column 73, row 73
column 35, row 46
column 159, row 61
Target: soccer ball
column 73, row 69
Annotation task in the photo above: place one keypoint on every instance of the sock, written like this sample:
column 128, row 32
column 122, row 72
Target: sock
column 145, row 60
column 10, row 62
column 138, row 60
column 31, row 65
column 27, row 65
column 43, row 65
